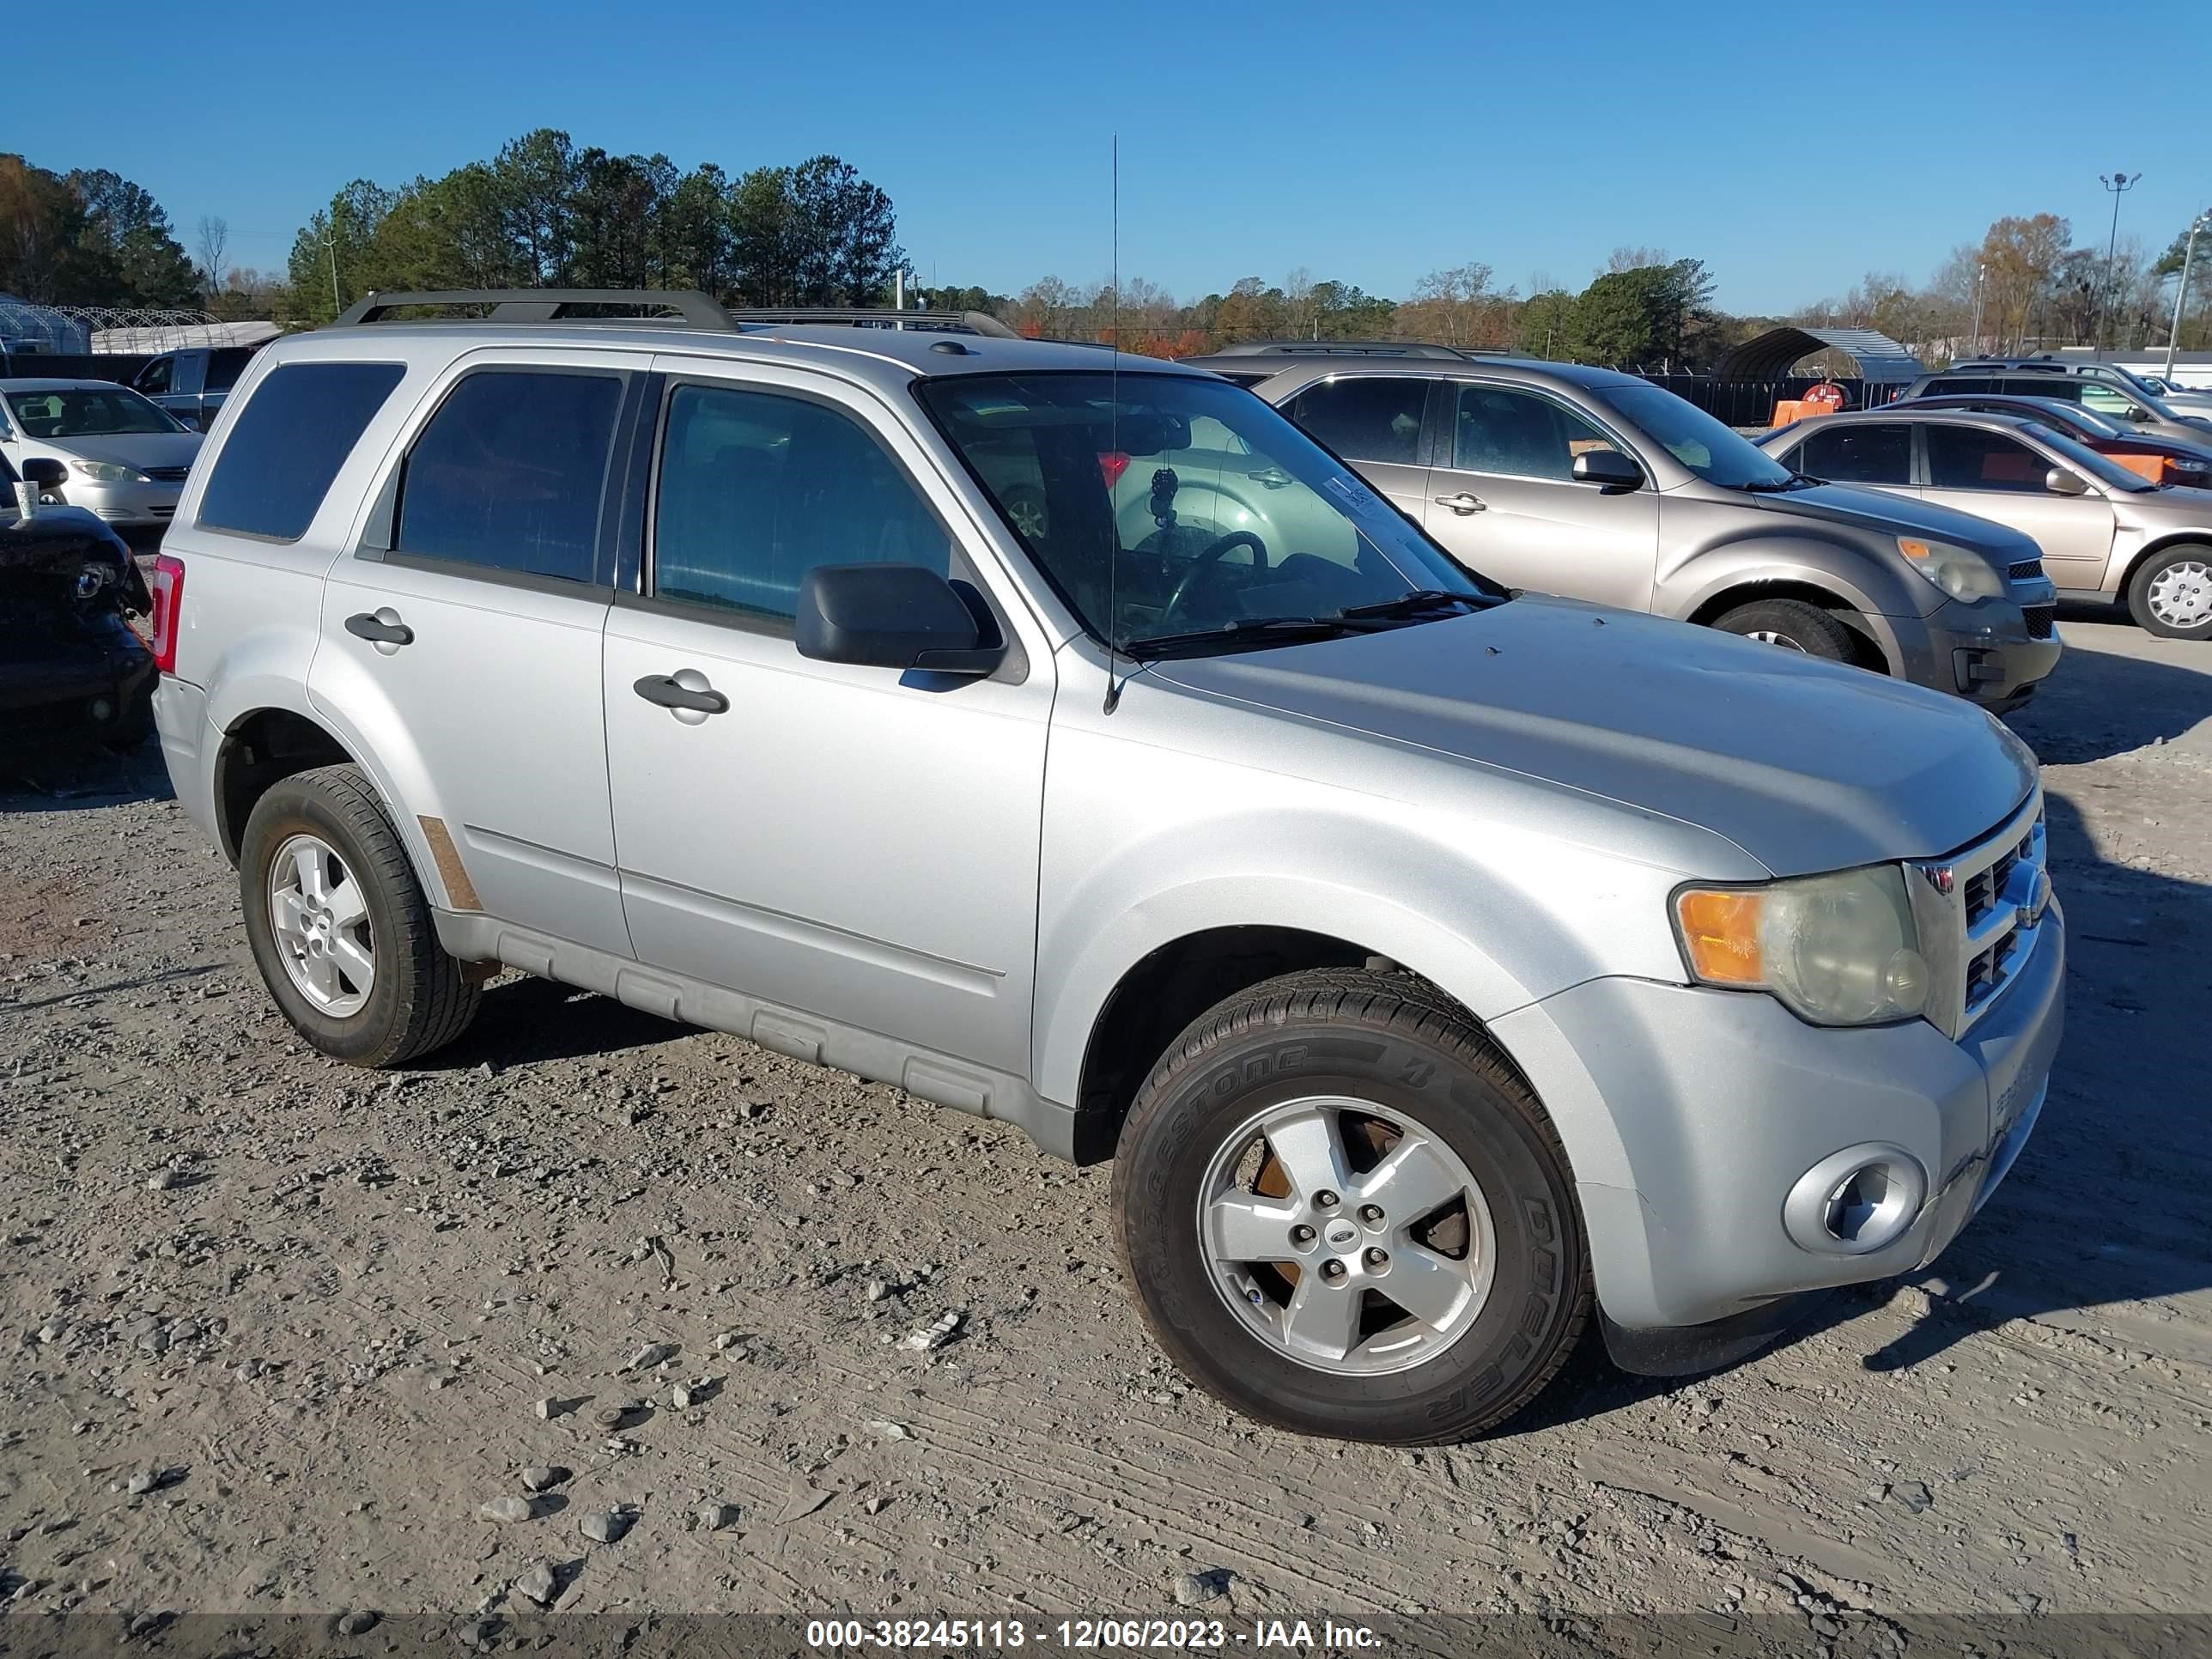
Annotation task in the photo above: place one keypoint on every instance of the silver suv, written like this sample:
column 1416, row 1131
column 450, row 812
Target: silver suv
column 1561, row 479
column 1440, row 967
column 2106, row 389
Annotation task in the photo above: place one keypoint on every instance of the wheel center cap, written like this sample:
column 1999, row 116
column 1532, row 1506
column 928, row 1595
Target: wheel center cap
column 1341, row 1234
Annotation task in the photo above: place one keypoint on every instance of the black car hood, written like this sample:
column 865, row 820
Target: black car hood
column 59, row 542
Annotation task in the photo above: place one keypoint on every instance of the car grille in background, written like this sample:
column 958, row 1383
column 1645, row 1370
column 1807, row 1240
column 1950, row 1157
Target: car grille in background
column 2026, row 570
column 2038, row 620
column 168, row 474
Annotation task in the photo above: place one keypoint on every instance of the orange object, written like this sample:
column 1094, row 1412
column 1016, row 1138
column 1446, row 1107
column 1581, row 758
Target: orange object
column 1796, row 409
column 1828, row 394
column 2151, row 466
column 1721, row 928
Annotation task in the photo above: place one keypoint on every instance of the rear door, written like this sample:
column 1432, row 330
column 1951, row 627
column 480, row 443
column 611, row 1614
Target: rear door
column 1379, row 423
column 468, row 619
column 1503, row 498
column 1996, row 476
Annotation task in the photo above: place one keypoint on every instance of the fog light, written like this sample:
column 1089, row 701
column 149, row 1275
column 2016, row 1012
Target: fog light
column 101, row 711
column 1854, row 1202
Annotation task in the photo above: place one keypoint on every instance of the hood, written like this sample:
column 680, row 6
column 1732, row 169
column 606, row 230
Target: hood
column 59, row 543
column 1887, row 514
column 139, row 449
column 1806, row 765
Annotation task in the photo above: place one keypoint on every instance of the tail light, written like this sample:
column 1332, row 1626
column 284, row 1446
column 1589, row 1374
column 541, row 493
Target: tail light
column 1112, row 464
column 167, row 588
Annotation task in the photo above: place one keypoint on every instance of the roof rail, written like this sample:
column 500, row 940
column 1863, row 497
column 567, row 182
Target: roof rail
column 1336, row 348
column 548, row 305
column 936, row 322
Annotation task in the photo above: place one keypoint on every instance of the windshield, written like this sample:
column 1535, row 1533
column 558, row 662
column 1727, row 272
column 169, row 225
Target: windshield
column 2102, row 468
column 87, row 412
column 1184, row 514
column 1713, row 452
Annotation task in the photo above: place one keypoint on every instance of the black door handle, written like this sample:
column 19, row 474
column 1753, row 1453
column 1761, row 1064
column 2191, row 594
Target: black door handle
column 378, row 631
column 666, row 692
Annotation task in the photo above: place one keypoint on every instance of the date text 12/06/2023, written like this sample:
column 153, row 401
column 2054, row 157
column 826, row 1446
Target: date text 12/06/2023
column 1085, row 1635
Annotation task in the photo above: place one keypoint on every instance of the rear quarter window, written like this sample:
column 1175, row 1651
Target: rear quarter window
column 287, row 444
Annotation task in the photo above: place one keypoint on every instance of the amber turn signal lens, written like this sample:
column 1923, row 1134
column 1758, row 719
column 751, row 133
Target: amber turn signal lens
column 1911, row 549
column 1720, row 929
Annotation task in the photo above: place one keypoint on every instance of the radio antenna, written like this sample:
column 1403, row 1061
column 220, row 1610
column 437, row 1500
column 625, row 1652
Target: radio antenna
column 1113, row 440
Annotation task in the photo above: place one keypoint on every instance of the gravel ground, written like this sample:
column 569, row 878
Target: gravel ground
column 599, row 1312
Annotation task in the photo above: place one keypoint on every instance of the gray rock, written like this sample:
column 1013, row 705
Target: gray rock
column 53, row 1330
column 540, row 1584
column 650, row 1355
column 934, row 1335
column 603, row 1526
column 506, row 1510
column 878, row 1289
column 876, row 1505
column 163, row 1180
column 713, row 1517
column 547, row 1409
column 1914, row 1495
column 684, row 1396
column 889, row 1430
column 356, row 1622
column 143, row 1482
column 1194, row 1588
column 543, row 1477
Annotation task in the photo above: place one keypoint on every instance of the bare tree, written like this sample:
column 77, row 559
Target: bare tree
column 212, row 243
column 1635, row 259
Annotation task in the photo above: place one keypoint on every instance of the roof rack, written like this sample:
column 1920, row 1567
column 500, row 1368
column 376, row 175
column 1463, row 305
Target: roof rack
column 549, row 305
column 935, row 322
column 1336, row 348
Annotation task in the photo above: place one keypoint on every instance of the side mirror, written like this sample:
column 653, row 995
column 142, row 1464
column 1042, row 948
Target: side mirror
column 45, row 472
column 2060, row 481
column 890, row 615
column 1609, row 469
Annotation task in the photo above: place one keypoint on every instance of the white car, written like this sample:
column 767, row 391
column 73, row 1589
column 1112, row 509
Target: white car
column 127, row 457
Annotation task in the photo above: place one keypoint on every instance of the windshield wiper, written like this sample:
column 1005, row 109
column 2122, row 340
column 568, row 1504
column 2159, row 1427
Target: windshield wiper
column 1420, row 599
column 1244, row 630
column 1778, row 486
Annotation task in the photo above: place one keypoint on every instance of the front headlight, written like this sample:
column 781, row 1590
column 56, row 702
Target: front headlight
column 109, row 472
column 1838, row 949
column 1959, row 571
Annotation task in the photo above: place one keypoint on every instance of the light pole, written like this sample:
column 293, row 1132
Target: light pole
column 2181, row 294
column 2119, row 183
column 1980, row 271
column 330, row 241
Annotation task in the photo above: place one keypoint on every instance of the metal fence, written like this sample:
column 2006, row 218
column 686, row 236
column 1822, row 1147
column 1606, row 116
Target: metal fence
column 1751, row 402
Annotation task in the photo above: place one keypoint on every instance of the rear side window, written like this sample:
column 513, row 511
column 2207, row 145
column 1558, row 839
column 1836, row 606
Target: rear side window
column 2047, row 386
column 1961, row 386
column 1858, row 455
column 509, row 472
column 287, row 444
column 1968, row 457
column 1366, row 418
column 224, row 365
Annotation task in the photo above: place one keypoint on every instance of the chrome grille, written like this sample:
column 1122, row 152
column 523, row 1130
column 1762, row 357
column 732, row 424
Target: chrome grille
column 168, row 474
column 2024, row 571
column 1978, row 912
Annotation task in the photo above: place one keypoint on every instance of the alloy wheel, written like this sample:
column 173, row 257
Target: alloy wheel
column 1346, row 1235
column 320, row 915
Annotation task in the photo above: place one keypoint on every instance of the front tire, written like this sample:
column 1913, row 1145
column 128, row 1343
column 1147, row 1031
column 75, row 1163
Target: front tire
column 1793, row 625
column 340, row 928
column 1344, row 1214
column 2171, row 595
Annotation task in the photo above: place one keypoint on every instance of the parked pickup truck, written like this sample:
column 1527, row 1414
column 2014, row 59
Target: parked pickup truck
column 192, row 383
column 1443, row 968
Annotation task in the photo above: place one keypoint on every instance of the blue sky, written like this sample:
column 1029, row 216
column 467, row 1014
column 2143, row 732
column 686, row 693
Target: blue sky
column 1792, row 149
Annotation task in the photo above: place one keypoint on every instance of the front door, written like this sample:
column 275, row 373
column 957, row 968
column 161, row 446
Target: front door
column 845, row 842
column 1997, row 476
column 1503, row 499
column 471, row 619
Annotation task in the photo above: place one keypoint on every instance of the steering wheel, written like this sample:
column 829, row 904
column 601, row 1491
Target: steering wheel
column 1208, row 558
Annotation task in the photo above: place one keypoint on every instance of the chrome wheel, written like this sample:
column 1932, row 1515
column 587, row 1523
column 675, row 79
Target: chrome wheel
column 2180, row 596
column 1768, row 637
column 320, row 918
column 1346, row 1235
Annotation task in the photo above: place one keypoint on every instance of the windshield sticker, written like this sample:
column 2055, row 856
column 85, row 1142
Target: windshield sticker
column 1363, row 506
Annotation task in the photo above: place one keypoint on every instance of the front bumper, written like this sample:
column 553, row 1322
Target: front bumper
column 1691, row 1114
column 1994, row 653
column 124, row 503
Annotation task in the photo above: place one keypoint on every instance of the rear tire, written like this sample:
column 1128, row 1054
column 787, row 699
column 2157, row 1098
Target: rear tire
column 1793, row 625
column 340, row 928
column 1392, row 1088
column 2171, row 593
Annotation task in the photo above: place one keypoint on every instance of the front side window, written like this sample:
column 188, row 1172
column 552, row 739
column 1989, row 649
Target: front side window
column 1365, row 418
column 756, row 488
column 1972, row 457
column 1880, row 454
column 154, row 378
column 1166, row 507
column 1518, row 435
column 287, row 444
column 83, row 412
column 1718, row 454
column 508, row 474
